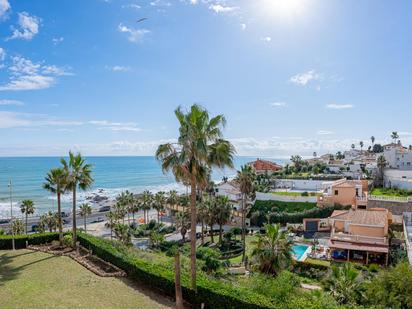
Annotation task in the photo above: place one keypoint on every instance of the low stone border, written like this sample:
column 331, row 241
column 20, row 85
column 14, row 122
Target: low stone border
column 83, row 260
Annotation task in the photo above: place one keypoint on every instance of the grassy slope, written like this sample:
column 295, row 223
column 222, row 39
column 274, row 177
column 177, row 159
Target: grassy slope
column 390, row 192
column 38, row 280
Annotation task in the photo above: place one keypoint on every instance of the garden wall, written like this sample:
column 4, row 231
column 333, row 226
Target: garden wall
column 285, row 198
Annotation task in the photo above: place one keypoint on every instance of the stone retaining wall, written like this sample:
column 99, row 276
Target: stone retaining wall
column 397, row 208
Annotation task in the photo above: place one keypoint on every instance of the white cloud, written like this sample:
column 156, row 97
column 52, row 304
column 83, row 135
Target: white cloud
column 218, row 8
column 25, row 120
column 160, row 3
column 339, row 106
column 243, row 26
column 119, row 68
column 2, row 53
column 29, row 27
column 57, row 41
column 10, row 102
column 131, row 6
column 133, row 35
column 266, row 39
column 194, row 1
column 26, row 75
column 4, row 8
column 323, row 132
column 304, row 78
column 115, row 126
column 278, row 104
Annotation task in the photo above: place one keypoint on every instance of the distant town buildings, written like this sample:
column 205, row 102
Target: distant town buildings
column 398, row 157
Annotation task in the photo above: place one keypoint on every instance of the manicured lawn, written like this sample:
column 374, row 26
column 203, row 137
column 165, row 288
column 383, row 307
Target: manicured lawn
column 38, row 280
column 278, row 206
column 391, row 192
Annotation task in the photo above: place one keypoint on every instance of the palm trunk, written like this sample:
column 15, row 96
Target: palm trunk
column 203, row 236
column 74, row 217
column 85, row 230
column 59, row 218
column 243, row 229
column 178, row 286
column 211, row 233
column 193, row 222
column 26, row 222
column 220, row 232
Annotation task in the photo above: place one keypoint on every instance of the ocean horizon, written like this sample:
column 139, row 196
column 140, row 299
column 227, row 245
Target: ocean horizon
column 112, row 175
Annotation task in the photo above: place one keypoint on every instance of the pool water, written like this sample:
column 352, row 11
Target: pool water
column 298, row 251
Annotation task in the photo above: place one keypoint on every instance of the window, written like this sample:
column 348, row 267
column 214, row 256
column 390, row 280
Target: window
column 336, row 192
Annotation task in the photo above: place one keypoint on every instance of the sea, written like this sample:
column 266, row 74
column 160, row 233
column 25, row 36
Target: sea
column 112, row 175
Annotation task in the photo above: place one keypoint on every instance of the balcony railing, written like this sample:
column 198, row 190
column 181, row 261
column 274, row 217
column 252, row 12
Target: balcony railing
column 402, row 199
column 360, row 238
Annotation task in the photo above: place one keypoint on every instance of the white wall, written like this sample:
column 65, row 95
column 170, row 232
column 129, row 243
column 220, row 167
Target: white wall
column 299, row 184
column 284, row 198
column 401, row 179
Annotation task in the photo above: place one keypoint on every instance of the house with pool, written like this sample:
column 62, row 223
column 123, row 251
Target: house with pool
column 360, row 235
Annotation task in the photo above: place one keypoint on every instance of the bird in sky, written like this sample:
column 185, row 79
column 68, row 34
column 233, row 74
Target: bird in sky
column 141, row 19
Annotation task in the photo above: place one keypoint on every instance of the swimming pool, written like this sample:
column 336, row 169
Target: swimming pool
column 300, row 251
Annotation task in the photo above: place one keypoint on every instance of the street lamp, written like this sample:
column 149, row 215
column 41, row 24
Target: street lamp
column 11, row 214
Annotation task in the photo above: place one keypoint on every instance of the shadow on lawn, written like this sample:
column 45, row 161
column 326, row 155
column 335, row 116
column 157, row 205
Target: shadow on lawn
column 9, row 272
column 155, row 295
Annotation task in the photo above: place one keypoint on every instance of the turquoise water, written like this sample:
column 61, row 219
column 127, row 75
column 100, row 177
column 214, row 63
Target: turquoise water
column 299, row 251
column 113, row 174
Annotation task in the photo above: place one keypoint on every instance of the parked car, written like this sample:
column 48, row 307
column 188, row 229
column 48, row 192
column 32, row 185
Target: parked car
column 4, row 221
column 99, row 219
column 104, row 208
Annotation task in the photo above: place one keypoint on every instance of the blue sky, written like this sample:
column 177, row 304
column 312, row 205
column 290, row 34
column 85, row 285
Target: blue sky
column 291, row 76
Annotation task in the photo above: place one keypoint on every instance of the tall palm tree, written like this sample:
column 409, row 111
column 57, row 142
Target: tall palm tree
column 159, row 203
column 394, row 136
column 147, row 204
column 245, row 179
column 183, row 223
column 373, row 140
column 210, row 214
column 27, row 208
column 56, row 182
column 273, row 250
column 224, row 211
column 172, row 200
column 111, row 222
column 79, row 176
column 85, row 210
column 122, row 201
column 199, row 148
column 361, row 145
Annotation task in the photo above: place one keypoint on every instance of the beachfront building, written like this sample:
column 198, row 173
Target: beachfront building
column 261, row 167
column 360, row 235
column 345, row 192
column 398, row 157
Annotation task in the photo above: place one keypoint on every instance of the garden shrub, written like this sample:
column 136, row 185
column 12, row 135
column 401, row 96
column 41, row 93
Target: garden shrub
column 32, row 239
column 212, row 292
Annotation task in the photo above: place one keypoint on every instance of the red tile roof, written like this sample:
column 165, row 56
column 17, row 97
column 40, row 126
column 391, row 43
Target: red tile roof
column 263, row 166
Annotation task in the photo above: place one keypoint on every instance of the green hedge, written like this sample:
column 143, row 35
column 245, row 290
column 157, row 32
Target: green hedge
column 290, row 207
column 20, row 240
column 214, row 293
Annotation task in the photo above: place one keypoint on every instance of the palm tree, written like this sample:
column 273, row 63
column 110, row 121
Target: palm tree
column 122, row 201
column 50, row 220
column 200, row 147
column 135, row 205
column 394, row 136
column 245, row 178
column 361, row 145
column 224, row 211
column 202, row 216
column 79, row 176
column 273, row 250
column 111, row 222
column 352, row 146
column 172, row 200
column 147, row 203
column 343, row 284
column 27, row 208
column 373, row 140
column 17, row 227
column 210, row 214
column 182, row 223
column 85, row 210
column 159, row 203
column 56, row 183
